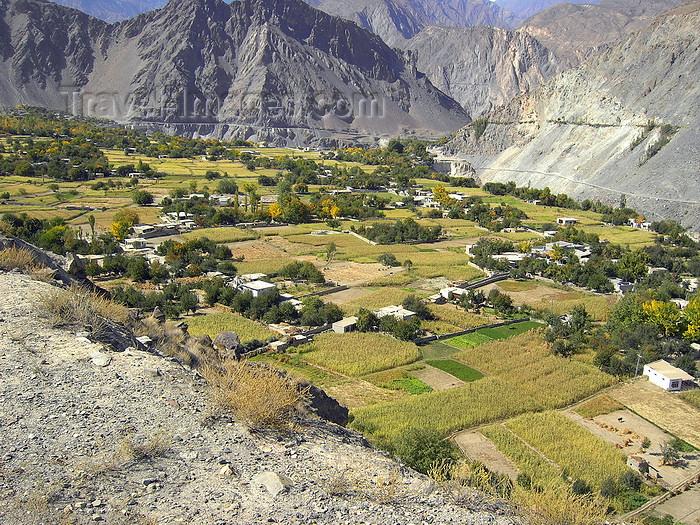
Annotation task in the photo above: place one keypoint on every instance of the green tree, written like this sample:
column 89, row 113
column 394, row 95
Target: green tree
column 142, row 197
column 632, row 265
column 421, row 448
column 691, row 316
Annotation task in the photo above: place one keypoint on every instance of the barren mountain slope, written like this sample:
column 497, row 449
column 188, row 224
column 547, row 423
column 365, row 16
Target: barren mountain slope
column 575, row 31
column 113, row 10
column 579, row 132
column 274, row 70
column 395, row 20
column 481, row 67
column 91, row 435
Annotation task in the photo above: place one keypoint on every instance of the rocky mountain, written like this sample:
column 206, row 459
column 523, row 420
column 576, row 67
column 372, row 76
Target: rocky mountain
column 575, row 31
column 113, row 10
column 269, row 70
column 92, row 435
column 523, row 9
column 586, row 131
column 396, row 20
column 481, row 67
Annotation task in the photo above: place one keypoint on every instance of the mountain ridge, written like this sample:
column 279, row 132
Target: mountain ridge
column 583, row 132
column 249, row 69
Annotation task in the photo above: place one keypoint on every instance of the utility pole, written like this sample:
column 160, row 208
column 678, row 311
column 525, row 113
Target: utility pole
column 636, row 370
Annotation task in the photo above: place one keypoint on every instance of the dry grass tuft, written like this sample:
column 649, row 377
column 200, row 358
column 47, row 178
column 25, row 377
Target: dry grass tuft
column 17, row 258
column 259, row 395
column 556, row 506
column 152, row 447
column 82, row 307
column 598, row 406
column 173, row 342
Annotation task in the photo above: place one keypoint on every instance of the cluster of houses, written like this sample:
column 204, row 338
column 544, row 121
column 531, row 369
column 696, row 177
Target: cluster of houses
column 349, row 324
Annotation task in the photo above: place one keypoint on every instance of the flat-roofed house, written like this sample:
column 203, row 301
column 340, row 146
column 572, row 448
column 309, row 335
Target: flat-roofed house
column 667, row 376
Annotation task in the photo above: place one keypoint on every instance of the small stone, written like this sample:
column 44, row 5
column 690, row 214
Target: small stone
column 272, row 482
column 100, row 359
column 97, row 503
column 226, row 471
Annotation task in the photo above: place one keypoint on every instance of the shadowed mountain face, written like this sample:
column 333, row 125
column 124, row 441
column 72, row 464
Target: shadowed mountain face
column 113, row 10
column 265, row 69
column 583, row 132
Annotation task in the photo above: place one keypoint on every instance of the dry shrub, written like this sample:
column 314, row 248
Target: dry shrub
column 466, row 482
column 557, row 506
column 154, row 446
column 173, row 342
column 79, row 306
column 19, row 258
column 260, row 396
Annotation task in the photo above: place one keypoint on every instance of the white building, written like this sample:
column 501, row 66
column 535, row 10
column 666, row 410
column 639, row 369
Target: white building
column 566, row 221
column 257, row 288
column 666, row 375
column 347, row 324
column 398, row 312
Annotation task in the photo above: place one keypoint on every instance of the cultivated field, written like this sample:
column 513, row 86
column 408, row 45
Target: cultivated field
column 213, row 324
column 599, row 405
column 572, row 447
column 525, row 363
column 222, row 235
column 488, row 399
column 358, row 354
column 662, row 408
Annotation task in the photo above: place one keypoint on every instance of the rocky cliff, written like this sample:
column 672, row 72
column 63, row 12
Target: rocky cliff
column 92, row 435
column 576, row 31
column 481, row 67
column 585, row 131
column 395, row 20
column 275, row 70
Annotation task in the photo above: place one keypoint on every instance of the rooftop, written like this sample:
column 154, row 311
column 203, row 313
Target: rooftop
column 668, row 370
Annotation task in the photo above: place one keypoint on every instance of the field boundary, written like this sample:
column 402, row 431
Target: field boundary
column 674, row 491
column 427, row 339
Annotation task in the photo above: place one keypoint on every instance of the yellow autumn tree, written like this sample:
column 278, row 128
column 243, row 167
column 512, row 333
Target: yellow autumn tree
column 665, row 315
column 691, row 314
column 275, row 210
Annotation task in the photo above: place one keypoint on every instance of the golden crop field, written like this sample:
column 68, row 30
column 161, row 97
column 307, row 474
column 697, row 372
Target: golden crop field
column 478, row 402
column 268, row 266
column 449, row 319
column 223, row 235
column 692, row 397
column 599, row 405
column 213, row 324
column 357, row 354
column 540, row 471
column 377, row 299
column 525, row 363
column 571, row 446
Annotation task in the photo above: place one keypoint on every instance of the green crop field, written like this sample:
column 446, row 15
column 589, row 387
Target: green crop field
column 457, row 369
column 357, row 354
column 213, row 324
column 399, row 379
column 486, row 335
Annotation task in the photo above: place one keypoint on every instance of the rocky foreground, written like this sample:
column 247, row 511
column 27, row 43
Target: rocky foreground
column 90, row 435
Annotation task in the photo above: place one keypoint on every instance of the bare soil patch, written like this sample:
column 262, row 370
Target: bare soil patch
column 684, row 507
column 663, row 408
column 354, row 274
column 436, row 378
column 478, row 448
column 347, row 295
column 255, row 250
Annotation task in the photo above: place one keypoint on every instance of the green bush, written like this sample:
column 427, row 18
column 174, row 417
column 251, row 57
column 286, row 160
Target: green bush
column 421, row 448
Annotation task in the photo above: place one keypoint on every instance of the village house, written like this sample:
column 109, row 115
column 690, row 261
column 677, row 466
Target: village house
column 257, row 288
column 566, row 221
column 667, row 376
column 346, row 324
column 398, row 312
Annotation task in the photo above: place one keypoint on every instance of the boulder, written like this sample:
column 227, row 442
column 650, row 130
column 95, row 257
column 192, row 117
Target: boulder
column 273, row 483
column 228, row 344
column 158, row 315
column 323, row 406
column 74, row 266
